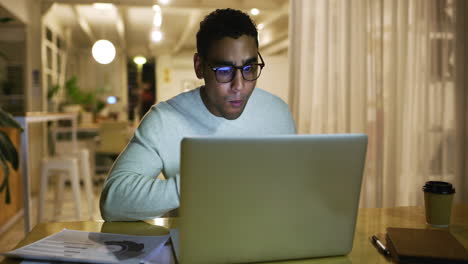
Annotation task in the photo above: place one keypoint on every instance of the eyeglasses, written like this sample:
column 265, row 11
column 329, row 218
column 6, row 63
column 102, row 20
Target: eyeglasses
column 250, row 72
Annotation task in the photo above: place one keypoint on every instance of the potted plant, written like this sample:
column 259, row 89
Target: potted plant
column 75, row 96
column 5, row 85
column 8, row 152
column 76, row 100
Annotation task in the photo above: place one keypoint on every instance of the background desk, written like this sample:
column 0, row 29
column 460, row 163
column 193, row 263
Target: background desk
column 36, row 117
column 370, row 222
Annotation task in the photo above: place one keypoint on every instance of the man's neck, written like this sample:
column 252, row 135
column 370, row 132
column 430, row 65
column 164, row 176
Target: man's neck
column 205, row 99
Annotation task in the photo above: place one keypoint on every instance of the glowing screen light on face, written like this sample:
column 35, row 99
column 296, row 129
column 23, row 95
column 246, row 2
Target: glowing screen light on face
column 111, row 100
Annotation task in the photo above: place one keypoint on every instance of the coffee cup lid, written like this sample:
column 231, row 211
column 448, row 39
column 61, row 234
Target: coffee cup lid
column 438, row 187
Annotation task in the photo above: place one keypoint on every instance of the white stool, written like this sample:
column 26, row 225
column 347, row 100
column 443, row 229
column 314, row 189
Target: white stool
column 73, row 165
column 87, row 177
column 62, row 164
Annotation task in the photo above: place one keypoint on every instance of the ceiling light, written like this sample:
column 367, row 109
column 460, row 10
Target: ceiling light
column 103, row 6
column 163, row 2
column 157, row 21
column 260, row 26
column 264, row 37
column 254, row 11
column 139, row 60
column 103, row 51
column 156, row 8
column 156, row 35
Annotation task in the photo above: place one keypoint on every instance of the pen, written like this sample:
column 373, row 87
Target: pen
column 382, row 249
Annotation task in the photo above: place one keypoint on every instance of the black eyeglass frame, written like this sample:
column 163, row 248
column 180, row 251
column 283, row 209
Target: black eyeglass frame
column 262, row 64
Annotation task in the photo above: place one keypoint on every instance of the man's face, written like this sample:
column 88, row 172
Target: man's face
column 229, row 99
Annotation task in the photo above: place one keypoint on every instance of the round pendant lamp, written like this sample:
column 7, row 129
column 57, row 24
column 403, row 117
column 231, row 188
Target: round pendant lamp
column 103, row 51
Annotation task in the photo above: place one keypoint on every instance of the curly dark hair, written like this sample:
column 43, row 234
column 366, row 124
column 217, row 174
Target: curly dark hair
column 224, row 23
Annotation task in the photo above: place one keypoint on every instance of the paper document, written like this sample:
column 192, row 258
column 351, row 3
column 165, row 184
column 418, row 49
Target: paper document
column 90, row 247
column 165, row 256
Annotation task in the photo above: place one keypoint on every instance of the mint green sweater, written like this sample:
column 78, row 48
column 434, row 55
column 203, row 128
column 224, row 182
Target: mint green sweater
column 132, row 190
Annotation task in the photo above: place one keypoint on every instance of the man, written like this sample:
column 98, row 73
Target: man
column 228, row 60
column 146, row 98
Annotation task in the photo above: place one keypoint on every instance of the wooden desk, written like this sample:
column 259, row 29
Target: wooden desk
column 81, row 128
column 370, row 222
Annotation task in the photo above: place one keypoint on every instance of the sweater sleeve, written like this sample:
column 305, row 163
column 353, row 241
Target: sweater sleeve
column 132, row 190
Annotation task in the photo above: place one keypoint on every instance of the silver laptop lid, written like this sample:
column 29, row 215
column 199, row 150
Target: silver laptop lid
column 269, row 198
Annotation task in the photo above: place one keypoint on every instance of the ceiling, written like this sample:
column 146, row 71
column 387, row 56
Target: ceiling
column 128, row 24
column 6, row 18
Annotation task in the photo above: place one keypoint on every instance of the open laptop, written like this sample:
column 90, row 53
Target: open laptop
column 269, row 198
